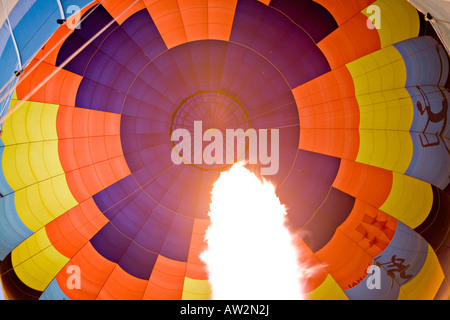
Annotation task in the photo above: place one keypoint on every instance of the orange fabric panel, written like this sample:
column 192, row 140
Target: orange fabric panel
column 81, row 123
column 266, row 2
column 64, row 122
column 116, row 8
column 105, row 173
column 340, row 143
column 82, row 152
column 194, row 14
column 90, row 150
column 196, row 268
column 101, row 123
column 75, row 122
column 90, row 179
column 188, row 20
column 367, row 183
column 167, row 280
column 77, row 186
column 94, row 271
column 220, row 18
column 97, row 148
column 111, row 124
column 343, row 13
column 122, row 286
column 328, row 101
column 167, row 18
column 350, row 41
column 345, row 260
column 363, row 236
column 119, row 167
column 339, row 114
column 72, row 230
column 60, row 89
column 371, row 228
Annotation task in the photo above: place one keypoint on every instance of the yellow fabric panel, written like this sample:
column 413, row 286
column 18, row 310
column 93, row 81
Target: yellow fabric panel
column 31, row 147
column 379, row 71
column 29, row 163
column 40, row 203
column 328, row 290
column 19, row 173
column 409, row 201
column 399, row 21
column 194, row 289
column 386, row 110
column 390, row 150
column 426, row 284
column 32, row 122
column 34, row 169
column 36, row 262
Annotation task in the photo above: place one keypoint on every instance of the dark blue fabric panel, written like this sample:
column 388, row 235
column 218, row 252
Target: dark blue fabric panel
column 309, row 15
column 95, row 96
column 178, row 240
column 97, row 20
column 141, row 28
column 287, row 46
column 329, row 216
column 154, row 231
column 108, row 72
column 435, row 229
column 138, row 261
column 122, row 49
column 307, row 186
column 114, row 61
column 114, row 195
column 110, row 243
column 133, row 215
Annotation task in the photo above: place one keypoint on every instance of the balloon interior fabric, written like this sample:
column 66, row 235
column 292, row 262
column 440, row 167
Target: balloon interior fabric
column 359, row 92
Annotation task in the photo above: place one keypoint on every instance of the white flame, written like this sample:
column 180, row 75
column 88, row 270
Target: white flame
column 250, row 253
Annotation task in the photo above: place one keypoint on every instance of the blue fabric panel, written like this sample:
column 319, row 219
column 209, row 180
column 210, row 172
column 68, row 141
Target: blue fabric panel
column 425, row 60
column 430, row 133
column 400, row 262
column 5, row 189
column 16, row 14
column 430, row 163
column 35, row 27
column 8, row 64
column 12, row 230
column 53, row 292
